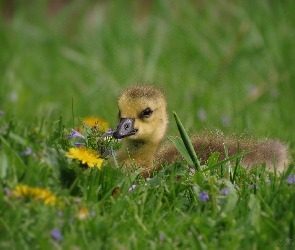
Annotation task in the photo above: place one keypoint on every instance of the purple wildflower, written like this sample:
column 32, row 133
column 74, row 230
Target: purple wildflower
column 2, row 112
column 192, row 170
column 253, row 186
column 224, row 191
column 28, row 151
column 226, row 121
column 56, row 234
column 132, row 188
column 7, row 191
column 204, row 196
column 3, row 128
column 78, row 200
column 162, row 237
column 79, row 144
column 253, row 91
column 72, row 219
column 290, row 179
column 92, row 213
column 274, row 92
column 108, row 151
column 108, row 133
column 75, row 134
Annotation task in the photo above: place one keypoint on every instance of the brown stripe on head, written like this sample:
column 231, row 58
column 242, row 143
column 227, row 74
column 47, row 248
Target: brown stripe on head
column 143, row 91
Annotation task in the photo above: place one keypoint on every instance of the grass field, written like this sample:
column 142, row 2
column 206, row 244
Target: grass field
column 223, row 65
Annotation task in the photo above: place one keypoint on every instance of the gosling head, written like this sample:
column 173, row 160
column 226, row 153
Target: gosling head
column 142, row 114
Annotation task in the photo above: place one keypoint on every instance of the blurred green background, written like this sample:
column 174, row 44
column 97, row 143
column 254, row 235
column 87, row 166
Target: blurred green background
column 222, row 64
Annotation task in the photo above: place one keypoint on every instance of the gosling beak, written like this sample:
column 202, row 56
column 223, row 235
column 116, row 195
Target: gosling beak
column 125, row 128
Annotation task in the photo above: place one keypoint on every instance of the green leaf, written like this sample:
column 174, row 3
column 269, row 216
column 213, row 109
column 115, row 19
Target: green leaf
column 231, row 198
column 127, row 181
column 225, row 161
column 12, row 166
column 17, row 139
column 213, row 159
column 187, row 143
column 178, row 143
column 254, row 214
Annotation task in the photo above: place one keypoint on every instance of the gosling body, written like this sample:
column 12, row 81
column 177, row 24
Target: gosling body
column 143, row 124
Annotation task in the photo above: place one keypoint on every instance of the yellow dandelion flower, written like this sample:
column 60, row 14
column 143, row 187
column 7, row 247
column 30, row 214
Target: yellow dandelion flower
column 91, row 121
column 86, row 156
column 24, row 191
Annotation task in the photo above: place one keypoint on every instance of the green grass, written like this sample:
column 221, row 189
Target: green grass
column 233, row 60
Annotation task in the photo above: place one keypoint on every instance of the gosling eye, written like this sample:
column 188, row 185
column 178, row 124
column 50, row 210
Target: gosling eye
column 119, row 115
column 146, row 113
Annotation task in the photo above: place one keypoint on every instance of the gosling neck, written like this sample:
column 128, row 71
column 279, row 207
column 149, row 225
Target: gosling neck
column 140, row 152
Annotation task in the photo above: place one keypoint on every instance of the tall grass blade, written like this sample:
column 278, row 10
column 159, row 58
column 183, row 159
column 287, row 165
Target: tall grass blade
column 187, row 143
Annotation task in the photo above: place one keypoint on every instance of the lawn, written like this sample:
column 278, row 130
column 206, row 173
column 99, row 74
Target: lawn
column 224, row 66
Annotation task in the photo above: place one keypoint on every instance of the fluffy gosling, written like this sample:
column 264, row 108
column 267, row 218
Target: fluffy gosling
column 143, row 124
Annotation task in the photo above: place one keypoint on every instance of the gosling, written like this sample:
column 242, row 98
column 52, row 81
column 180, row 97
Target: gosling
column 143, row 124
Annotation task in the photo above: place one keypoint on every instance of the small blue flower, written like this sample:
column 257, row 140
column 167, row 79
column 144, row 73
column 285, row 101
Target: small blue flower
column 56, row 234
column 75, row 134
column 204, row 196
column 290, row 179
column 28, row 151
column 132, row 188
column 224, row 191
